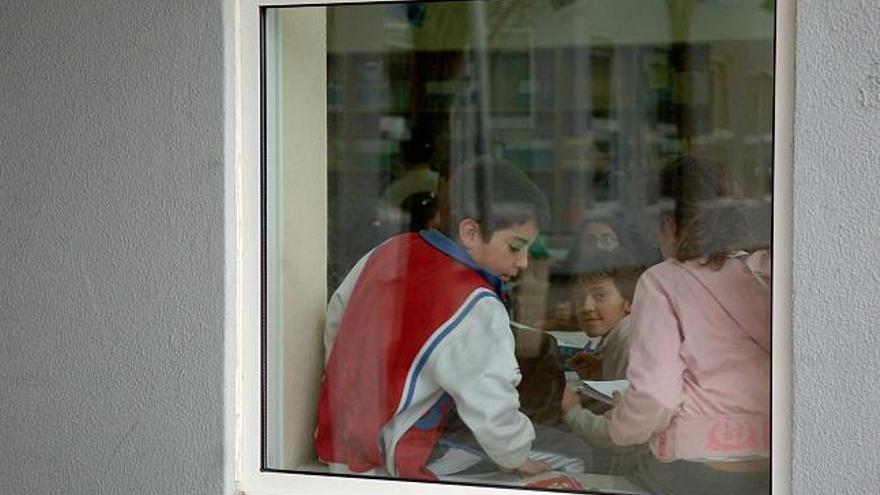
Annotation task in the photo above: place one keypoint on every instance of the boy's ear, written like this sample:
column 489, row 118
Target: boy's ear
column 627, row 306
column 469, row 233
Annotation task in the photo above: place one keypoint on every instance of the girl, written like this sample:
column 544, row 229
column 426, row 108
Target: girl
column 699, row 365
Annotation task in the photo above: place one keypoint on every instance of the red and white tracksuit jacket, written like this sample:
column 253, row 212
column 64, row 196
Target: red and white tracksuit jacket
column 415, row 326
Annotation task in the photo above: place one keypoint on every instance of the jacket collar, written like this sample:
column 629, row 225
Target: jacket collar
column 615, row 334
column 449, row 247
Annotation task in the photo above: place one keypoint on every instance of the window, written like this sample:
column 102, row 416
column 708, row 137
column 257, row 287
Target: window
column 367, row 111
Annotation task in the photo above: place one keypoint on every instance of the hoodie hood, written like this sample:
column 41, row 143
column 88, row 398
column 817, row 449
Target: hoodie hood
column 742, row 288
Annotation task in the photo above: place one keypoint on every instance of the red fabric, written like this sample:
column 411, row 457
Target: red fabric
column 406, row 291
column 556, row 482
column 414, row 449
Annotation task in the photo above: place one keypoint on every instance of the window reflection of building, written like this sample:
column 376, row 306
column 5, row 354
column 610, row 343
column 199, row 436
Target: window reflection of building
column 585, row 121
column 590, row 107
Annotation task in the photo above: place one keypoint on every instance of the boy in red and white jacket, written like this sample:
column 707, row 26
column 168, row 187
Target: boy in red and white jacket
column 419, row 325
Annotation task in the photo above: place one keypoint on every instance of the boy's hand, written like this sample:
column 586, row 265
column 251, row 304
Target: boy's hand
column 615, row 401
column 570, row 399
column 531, row 467
column 587, row 366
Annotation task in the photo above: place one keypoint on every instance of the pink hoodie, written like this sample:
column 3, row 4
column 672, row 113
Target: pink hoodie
column 699, row 365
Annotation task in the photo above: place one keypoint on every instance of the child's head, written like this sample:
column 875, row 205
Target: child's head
column 495, row 212
column 603, row 292
column 598, row 235
column 698, row 226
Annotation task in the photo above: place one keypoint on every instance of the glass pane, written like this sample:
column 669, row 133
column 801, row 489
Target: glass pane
column 482, row 218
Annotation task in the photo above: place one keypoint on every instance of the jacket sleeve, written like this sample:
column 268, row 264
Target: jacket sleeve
column 591, row 427
column 655, row 369
column 338, row 303
column 476, row 365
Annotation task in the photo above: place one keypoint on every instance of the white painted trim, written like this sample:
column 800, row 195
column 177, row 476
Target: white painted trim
column 783, row 165
column 231, row 358
column 247, row 247
column 243, row 273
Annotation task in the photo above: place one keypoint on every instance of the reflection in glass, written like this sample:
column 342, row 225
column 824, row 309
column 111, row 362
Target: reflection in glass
column 646, row 127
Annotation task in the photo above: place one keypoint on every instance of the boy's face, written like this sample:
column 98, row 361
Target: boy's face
column 505, row 253
column 600, row 306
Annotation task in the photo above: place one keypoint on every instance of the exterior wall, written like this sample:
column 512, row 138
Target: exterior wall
column 836, row 265
column 111, row 247
column 111, row 253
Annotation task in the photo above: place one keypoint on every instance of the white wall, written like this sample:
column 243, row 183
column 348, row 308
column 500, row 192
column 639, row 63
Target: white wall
column 837, row 248
column 111, row 247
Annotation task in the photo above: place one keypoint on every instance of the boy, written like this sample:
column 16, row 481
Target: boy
column 604, row 292
column 603, row 298
column 419, row 325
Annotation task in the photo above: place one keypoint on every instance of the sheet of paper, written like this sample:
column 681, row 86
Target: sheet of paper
column 602, row 390
column 607, row 387
column 454, row 460
column 578, row 340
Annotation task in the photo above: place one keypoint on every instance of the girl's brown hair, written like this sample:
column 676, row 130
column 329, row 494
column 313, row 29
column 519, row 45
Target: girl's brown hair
column 707, row 227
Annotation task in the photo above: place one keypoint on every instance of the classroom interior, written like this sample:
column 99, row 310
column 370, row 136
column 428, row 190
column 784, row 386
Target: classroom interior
column 592, row 99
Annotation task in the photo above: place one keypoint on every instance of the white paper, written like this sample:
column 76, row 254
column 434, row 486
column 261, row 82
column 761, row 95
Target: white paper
column 607, row 387
column 602, row 390
column 573, row 339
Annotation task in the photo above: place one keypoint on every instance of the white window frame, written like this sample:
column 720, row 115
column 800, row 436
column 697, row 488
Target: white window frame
column 243, row 281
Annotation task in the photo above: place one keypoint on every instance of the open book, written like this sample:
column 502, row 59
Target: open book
column 602, row 390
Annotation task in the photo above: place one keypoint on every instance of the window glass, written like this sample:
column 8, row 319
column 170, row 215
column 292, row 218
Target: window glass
column 519, row 242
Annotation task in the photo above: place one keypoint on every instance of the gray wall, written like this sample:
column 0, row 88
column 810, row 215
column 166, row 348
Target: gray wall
column 836, row 245
column 111, row 247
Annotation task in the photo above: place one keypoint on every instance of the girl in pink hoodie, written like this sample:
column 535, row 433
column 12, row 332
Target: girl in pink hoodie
column 699, row 364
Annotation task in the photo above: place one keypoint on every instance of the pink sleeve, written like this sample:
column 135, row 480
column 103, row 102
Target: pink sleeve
column 655, row 368
column 759, row 302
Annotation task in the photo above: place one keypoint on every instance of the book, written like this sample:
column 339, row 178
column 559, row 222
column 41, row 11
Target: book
column 602, row 390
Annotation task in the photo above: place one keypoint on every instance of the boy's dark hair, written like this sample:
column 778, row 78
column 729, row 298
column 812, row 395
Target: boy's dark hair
column 618, row 266
column 496, row 195
column 421, row 208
